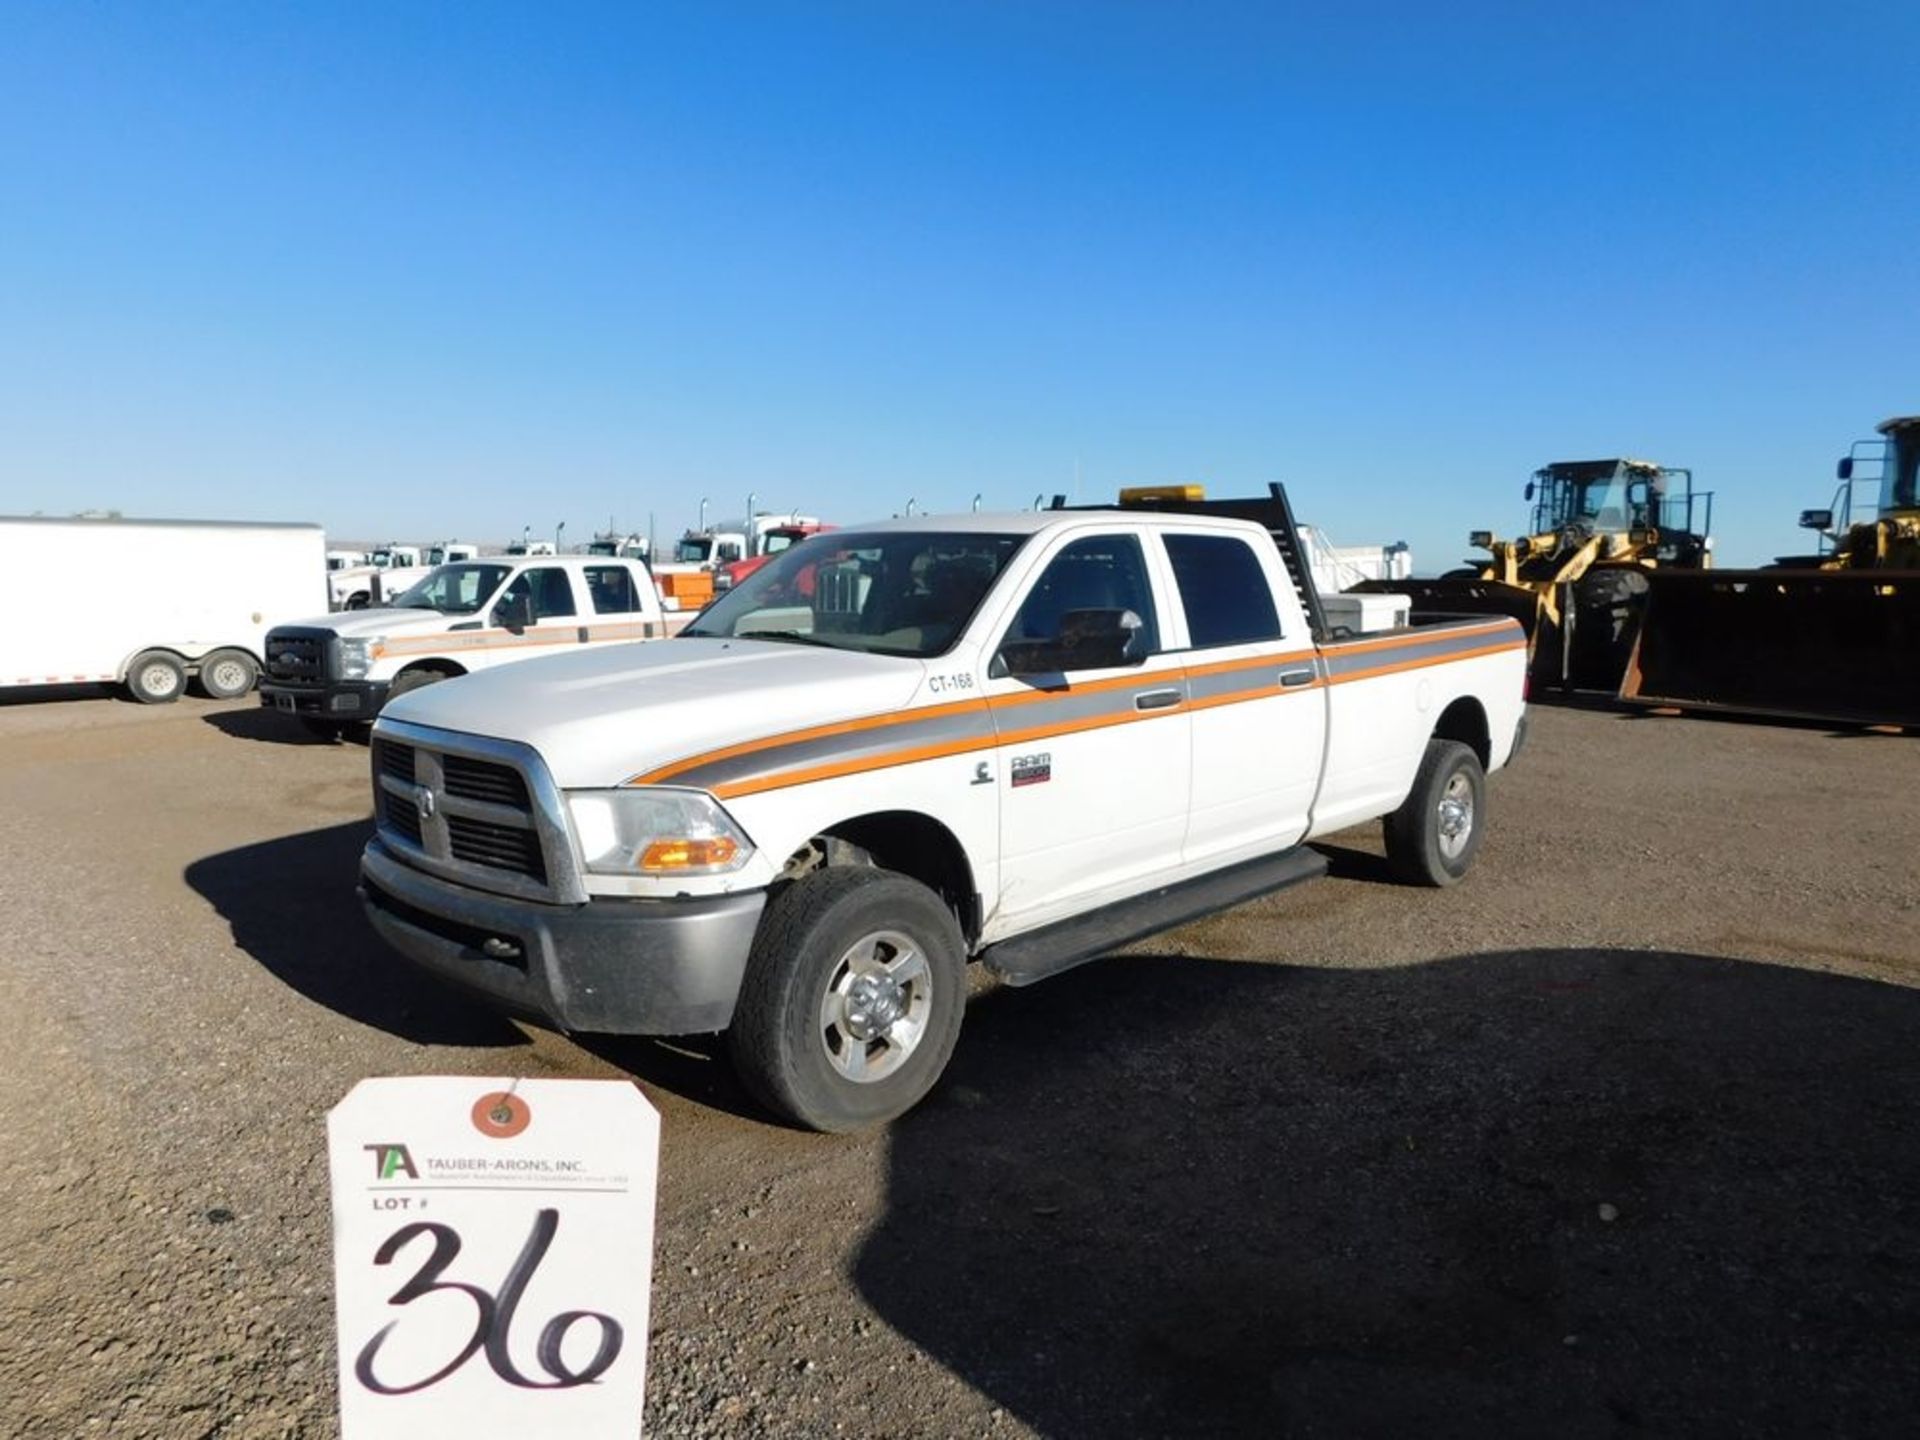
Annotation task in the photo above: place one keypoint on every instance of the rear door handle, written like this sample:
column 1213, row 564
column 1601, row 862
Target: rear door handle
column 1292, row 678
column 1156, row 699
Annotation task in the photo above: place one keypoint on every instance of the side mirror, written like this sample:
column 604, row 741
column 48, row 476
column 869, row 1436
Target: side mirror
column 1817, row 519
column 1088, row 640
column 1529, row 494
column 1844, row 470
column 514, row 612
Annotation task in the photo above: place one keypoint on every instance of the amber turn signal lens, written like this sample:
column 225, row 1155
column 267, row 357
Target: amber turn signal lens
column 684, row 854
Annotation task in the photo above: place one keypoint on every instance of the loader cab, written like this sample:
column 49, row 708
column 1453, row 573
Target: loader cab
column 1900, row 474
column 1619, row 496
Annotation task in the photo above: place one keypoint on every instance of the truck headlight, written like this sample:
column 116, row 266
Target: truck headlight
column 356, row 656
column 653, row 831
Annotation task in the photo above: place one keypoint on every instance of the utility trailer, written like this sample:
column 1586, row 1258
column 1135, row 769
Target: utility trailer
column 151, row 603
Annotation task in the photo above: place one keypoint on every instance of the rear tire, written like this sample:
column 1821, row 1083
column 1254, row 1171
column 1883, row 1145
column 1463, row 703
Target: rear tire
column 852, row 999
column 156, row 677
column 1433, row 836
column 227, row 674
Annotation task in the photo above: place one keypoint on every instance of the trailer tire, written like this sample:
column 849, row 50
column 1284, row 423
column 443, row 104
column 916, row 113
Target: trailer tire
column 1433, row 836
column 227, row 674
column 835, row 951
column 156, row 677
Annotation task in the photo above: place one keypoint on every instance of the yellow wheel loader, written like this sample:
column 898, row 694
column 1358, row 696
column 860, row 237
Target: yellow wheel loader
column 1578, row 579
column 1833, row 636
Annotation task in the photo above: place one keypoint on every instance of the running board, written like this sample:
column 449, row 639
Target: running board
column 1035, row 956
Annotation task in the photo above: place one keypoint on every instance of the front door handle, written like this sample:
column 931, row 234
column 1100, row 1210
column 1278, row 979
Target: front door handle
column 1292, row 678
column 1156, row 699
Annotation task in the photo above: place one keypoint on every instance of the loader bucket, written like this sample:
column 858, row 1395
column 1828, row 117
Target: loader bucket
column 1834, row 645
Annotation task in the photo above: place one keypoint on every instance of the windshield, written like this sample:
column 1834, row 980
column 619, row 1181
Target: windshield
column 454, row 589
column 777, row 541
column 1900, row 476
column 911, row 593
column 693, row 550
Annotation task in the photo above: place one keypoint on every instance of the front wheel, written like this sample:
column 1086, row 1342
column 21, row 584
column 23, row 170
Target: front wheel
column 852, row 999
column 156, row 678
column 1432, row 837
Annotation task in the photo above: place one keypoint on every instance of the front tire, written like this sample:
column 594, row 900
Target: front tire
column 852, row 999
column 156, row 678
column 410, row 680
column 1433, row 836
column 227, row 674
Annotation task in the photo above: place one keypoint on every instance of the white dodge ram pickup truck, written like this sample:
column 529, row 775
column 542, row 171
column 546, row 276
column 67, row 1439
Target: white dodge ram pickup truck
column 1019, row 739
column 338, row 670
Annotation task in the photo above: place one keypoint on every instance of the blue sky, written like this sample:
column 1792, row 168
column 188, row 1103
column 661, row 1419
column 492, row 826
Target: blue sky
column 431, row 271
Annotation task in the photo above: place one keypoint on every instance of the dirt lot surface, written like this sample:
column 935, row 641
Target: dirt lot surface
column 1621, row 1135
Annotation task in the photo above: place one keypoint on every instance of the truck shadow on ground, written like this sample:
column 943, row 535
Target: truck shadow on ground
column 274, row 729
column 1568, row 1192
column 291, row 905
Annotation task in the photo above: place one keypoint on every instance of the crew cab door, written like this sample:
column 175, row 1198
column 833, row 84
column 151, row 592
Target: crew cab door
column 1092, row 761
column 537, row 608
column 1254, row 688
column 619, row 603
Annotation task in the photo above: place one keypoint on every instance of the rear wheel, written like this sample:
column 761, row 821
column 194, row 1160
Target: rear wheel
column 852, row 999
column 1433, row 836
column 227, row 674
column 156, row 677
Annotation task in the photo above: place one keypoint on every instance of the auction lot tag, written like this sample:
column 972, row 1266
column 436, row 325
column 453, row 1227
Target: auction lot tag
column 492, row 1251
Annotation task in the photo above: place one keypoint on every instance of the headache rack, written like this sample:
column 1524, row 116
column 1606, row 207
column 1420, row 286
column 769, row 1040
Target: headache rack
column 1270, row 512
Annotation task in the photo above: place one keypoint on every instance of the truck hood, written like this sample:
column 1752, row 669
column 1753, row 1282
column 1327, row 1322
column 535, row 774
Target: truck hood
column 599, row 717
column 358, row 624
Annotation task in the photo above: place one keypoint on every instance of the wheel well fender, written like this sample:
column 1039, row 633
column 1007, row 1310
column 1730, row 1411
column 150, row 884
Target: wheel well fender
column 126, row 665
column 448, row 668
column 908, row 843
column 1465, row 720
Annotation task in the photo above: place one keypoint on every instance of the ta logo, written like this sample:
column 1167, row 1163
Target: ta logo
column 390, row 1160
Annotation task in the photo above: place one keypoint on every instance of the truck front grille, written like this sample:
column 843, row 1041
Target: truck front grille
column 294, row 654
column 466, row 816
column 484, row 780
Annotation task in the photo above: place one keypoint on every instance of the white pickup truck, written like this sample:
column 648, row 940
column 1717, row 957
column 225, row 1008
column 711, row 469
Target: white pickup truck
column 338, row 670
column 1019, row 739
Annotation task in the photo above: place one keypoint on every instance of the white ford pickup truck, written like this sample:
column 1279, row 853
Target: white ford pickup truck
column 338, row 670
column 1019, row 739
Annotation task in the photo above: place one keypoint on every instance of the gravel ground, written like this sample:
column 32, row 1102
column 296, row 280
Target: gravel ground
column 1617, row 1136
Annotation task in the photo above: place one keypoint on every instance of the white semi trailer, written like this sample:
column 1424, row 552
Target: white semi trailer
column 151, row 603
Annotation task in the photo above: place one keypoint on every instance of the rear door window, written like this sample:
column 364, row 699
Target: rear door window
column 1223, row 589
column 612, row 589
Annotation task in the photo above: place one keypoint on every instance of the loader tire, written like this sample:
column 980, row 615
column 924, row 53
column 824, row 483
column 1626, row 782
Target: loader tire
column 1432, row 837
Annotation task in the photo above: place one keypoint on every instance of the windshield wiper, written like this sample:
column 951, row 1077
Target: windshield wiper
column 801, row 637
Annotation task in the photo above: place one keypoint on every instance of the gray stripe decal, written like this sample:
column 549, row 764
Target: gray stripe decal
column 1064, row 708
column 1339, row 664
column 1264, row 676
column 861, row 744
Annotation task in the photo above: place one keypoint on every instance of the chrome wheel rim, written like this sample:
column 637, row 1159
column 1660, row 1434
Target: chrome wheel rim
column 1456, row 815
column 874, row 1013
